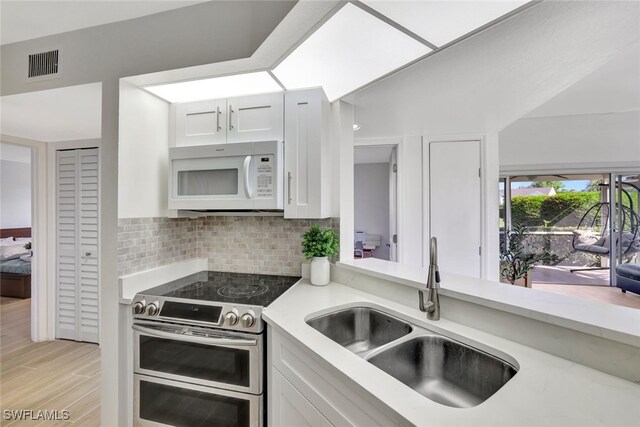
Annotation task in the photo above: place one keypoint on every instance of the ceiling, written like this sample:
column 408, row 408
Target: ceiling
column 25, row 20
column 612, row 88
column 65, row 114
column 441, row 22
column 371, row 43
column 359, row 42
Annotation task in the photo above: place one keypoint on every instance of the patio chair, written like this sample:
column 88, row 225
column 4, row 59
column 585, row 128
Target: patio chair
column 592, row 235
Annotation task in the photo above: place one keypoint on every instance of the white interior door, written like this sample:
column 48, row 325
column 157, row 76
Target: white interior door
column 77, row 200
column 455, row 205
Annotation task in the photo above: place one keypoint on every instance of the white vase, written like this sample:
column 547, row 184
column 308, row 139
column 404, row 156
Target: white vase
column 320, row 271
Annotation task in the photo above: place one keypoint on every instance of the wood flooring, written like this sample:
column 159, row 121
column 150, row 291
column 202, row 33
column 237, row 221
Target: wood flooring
column 46, row 376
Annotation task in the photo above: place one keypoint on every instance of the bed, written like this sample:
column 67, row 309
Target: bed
column 15, row 263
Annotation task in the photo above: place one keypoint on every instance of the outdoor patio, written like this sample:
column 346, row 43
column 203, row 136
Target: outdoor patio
column 561, row 275
column 591, row 284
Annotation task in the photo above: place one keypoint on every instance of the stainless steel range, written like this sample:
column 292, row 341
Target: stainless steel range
column 199, row 349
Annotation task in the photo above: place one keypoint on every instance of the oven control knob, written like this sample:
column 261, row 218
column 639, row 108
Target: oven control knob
column 230, row 318
column 152, row 309
column 138, row 307
column 247, row 320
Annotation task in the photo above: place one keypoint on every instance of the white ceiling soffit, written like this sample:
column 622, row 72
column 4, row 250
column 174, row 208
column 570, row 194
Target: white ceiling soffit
column 441, row 22
column 217, row 87
column 350, row 50
column 15, row 153
column 612, row 88
column 25, row 20
column 65, row 114
column 364, row 155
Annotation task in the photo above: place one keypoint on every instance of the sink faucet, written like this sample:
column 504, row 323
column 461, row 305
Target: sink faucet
column 432, row 305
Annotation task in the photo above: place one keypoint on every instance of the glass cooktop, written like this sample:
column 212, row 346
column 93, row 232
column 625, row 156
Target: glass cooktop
column 216, row 286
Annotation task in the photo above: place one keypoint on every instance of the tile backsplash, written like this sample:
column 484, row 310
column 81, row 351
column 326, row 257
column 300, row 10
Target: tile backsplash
column 251, row 244
column 145, row 243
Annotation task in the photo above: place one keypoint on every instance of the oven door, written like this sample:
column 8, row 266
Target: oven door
column 203, row 356
column 161, row 402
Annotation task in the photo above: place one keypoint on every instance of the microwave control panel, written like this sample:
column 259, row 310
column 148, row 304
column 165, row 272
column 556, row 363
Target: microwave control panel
column 264, row 177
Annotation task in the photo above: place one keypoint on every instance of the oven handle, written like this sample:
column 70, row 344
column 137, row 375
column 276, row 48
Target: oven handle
column 238, row 342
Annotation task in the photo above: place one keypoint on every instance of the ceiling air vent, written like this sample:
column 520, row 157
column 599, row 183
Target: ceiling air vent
column 43, row 64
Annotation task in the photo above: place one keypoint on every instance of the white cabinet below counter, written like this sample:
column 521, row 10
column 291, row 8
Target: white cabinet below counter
column 302, row 391
column 218, row 121
column 292, row 408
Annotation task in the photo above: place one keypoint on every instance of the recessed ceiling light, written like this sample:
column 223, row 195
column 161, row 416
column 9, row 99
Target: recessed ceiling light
column 441, row 22
column 356, row 126
column 217, row 87
column 348, row 51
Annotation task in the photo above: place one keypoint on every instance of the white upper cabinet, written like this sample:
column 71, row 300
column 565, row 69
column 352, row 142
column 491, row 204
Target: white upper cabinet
column 255, row 118
column 243, row 119
column 306, row 146
column 198, row 123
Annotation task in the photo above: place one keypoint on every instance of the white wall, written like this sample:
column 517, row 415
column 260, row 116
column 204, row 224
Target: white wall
column 15, row 188
column 563, row 143
column 484, row 83
column 143, row 154
column 14, row 153
column 371, row 203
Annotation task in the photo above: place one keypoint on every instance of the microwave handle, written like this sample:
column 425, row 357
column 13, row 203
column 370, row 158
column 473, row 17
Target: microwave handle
column 246, row 174
column 238, row 342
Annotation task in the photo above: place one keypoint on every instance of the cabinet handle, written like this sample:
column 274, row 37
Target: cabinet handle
column 289, row 186
column 230, row 115
column 218, row 119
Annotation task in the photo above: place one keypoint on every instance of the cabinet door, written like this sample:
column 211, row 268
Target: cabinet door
column 199, row 123
column 77, row 273
column 255, row 118
column 304, row 145
column 289, row 408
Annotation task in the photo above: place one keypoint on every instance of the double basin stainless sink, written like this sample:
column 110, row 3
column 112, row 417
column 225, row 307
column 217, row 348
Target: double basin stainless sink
column 442, row 369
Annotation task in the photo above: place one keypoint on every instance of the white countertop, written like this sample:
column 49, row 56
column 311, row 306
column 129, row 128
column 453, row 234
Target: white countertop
column 592, row 317
column 133, row 283
column 547, row 390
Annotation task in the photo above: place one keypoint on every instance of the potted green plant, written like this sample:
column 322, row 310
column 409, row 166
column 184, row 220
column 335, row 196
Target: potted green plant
column 517, row 257
column 318, row 245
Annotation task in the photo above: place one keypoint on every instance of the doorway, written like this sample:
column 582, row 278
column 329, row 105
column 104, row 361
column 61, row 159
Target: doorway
column 586, row 226
column 375, row 202
column 47, row 121
column 15, row 242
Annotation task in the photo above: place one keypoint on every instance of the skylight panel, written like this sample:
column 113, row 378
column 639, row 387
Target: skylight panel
column 441, row 22
column 217, row 87
column 348, row 51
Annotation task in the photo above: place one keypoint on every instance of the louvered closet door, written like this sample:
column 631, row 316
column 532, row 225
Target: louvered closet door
column 78, row 244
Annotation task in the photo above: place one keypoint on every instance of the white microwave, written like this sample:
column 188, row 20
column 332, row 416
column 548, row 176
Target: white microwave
column 227, row 177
